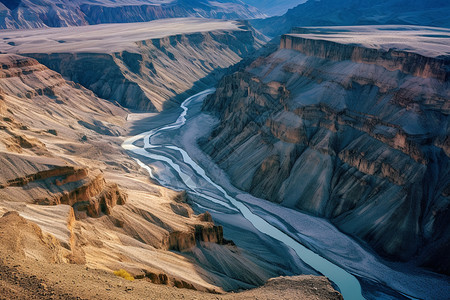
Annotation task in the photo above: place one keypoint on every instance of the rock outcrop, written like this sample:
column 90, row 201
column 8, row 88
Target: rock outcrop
column 78, row 187
column 184, row 241
column 26, row 239
column 62, row 13
column 350, row 133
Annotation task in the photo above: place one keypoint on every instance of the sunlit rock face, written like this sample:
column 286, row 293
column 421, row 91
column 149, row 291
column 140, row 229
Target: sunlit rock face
column 146, row 66
column 23, row 14
column 344, row 128
column 68, row 193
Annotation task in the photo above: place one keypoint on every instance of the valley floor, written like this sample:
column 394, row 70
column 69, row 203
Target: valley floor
column 379, row 278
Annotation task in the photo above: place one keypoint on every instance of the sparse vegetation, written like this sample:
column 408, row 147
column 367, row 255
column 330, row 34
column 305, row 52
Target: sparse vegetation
column 124, row 274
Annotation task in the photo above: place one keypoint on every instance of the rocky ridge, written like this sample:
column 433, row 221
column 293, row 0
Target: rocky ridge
column 85, row 190
column 349, row 132
column 62, row 13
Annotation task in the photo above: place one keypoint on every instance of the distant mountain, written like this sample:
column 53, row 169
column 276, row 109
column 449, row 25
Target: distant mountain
column 274, row 8
column 62, row 13
column 359, row 12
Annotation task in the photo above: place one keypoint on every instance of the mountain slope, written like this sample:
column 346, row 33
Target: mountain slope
column 62, row 13
column 351, row 124
column 358, row 12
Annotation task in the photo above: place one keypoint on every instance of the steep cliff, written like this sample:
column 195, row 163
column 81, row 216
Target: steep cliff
column 145, row 66
column 63, row 13
column 87, row 191
column 346, row 129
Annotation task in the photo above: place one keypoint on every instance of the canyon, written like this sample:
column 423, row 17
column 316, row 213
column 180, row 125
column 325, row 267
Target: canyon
column 145, row 66
column 70, row 196
column 46, row 179
column 353, row 132
column 174, row 141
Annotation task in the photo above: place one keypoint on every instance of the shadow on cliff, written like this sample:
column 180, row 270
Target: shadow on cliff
column 171, row 107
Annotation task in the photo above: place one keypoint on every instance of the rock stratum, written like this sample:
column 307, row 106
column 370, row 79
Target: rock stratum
column 350, row 124
column 76, row 207
column 25, row 14
column 145, row 66
column 70, row 195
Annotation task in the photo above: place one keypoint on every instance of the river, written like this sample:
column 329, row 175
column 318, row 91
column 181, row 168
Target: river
column 342, row 274
column 347, row 283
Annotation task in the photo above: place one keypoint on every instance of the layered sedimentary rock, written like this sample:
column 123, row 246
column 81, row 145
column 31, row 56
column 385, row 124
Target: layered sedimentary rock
column 81, row 188
column 150, row 66
column 206, row 232
column 63, row 13
column 346, row 129
column 62, row 168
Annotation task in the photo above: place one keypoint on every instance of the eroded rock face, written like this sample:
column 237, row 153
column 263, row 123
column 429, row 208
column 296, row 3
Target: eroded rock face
column 206, row 231
column 392, row 60
column 160, row 72
column 355, row 135
column 15, row 66
column 26, row 239
column 78, row 187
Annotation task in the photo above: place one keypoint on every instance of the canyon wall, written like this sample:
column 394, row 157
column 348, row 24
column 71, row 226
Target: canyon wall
column 159, row 72
column 70, row 194
column 350, row 133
